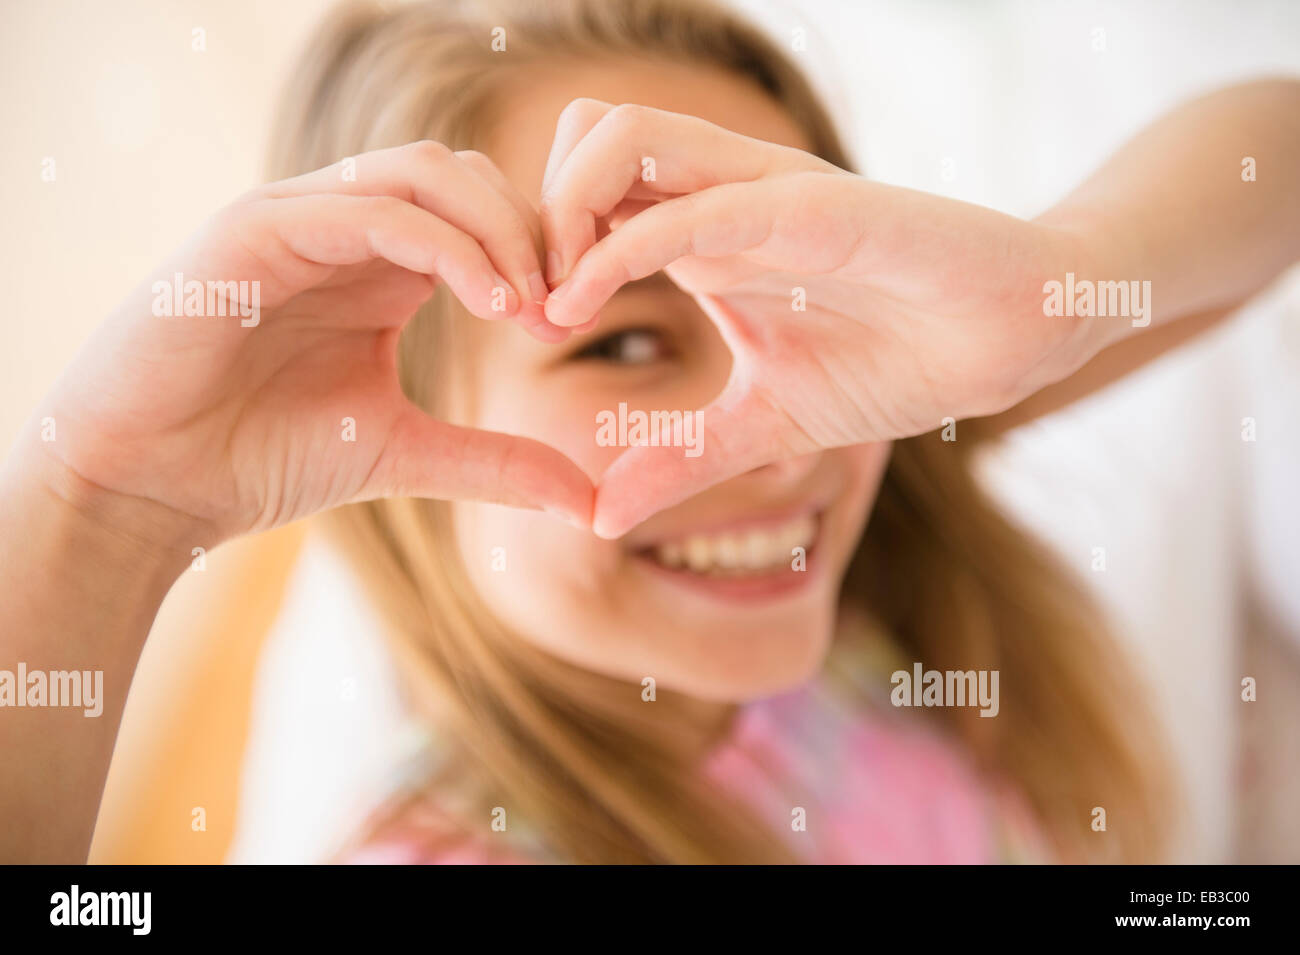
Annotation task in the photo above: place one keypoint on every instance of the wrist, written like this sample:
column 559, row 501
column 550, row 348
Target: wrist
column 1097, row 254
column 148, row 541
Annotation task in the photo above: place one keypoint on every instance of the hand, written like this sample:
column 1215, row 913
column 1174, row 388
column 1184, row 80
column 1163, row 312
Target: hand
column 855, row 312
column 237, row 424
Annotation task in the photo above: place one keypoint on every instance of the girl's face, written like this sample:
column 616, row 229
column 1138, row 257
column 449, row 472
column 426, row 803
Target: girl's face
column 703, row 597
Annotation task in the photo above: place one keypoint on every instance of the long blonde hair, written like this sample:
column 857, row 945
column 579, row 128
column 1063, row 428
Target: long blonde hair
column 944, row 575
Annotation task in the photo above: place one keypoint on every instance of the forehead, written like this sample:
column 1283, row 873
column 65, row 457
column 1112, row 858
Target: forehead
column 519, row 140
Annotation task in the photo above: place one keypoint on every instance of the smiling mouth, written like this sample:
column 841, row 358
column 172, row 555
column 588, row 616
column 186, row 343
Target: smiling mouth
column 760, row 551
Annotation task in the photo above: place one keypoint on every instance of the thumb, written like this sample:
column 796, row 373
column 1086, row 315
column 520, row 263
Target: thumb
column 736, row 433
column 424, row 457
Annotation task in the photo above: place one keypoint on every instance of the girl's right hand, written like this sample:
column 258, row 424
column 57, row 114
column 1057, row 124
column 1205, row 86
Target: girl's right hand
column 242, row 423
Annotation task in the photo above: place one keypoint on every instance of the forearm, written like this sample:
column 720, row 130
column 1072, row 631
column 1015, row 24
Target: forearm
column 83, row 575
column 1172, row 207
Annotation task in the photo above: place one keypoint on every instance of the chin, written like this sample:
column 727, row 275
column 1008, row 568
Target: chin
column 736, row 661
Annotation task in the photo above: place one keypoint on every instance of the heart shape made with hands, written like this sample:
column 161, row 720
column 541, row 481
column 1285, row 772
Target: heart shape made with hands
column 854, row 311
column 683, row 220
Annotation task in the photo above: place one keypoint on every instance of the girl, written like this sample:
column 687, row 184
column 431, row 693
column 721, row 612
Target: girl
column 696, row 661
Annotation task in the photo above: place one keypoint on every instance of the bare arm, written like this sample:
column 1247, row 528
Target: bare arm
column 176, row 431
column 85, row 572
column 1172, row 207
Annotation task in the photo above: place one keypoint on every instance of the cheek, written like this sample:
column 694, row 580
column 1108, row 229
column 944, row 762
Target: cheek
column 541, row 577
column 536, row 573
column 864, row 469
column 869, row 461
column 565, row 419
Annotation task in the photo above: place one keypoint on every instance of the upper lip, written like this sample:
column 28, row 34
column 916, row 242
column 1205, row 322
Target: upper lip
column 682, row 530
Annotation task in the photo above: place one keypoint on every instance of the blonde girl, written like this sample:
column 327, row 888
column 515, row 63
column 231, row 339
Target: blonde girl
column 690, row 659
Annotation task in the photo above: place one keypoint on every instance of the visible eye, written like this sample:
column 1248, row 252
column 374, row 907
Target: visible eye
column 631, row 346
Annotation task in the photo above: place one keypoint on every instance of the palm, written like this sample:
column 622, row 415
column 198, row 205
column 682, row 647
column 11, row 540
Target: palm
column 854, row 341
column 246, row 426
column 243, row 422
column 868, row 351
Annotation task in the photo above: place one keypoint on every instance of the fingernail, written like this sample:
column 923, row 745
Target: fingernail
column 554, row 268
column 538, row 288
column 511, row 296
column 566, row 517
column 554, row 304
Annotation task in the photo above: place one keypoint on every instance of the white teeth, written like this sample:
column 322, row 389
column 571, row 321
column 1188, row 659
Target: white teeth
column 758, row 547
column 671, row 555
column 699, row 553
column 733, row 553
column 728, row 551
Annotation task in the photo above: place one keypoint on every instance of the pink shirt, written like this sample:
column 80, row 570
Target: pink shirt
column 842, row 782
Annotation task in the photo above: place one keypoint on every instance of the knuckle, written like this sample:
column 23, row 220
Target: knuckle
column 255, row 194
column 549, row 201
column 385, row 206
column 244, row 223
column 625, row 117
column 518, row 237
column 583, row 108
column 429, row 151
column 684, row 206
column 816, row 188
column 465, row 249
column 238, row 215
column 548, row 204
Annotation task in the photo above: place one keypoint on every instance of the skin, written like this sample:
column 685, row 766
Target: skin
column 177, row 433
column 592, row 601
column 917, row 308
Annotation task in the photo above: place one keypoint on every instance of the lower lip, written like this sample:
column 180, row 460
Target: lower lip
column 746, row 589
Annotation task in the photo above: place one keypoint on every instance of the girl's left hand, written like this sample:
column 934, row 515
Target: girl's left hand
column 855, row 311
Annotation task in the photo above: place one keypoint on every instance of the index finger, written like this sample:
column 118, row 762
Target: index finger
column 604, row 154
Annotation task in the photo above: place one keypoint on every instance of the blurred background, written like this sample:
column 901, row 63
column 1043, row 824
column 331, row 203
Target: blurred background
column 129, row 122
